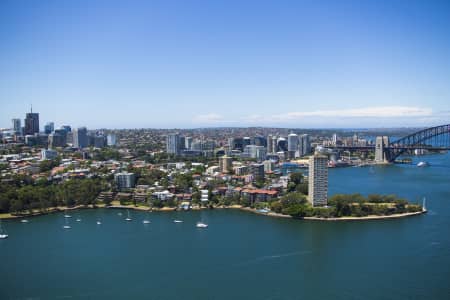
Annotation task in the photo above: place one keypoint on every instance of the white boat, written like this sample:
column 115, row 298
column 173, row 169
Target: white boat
column 3, row 234
column 177, row 221
column 201, row 225
column 423, row 164
column 99, row 223
column 119, row 214
column 78, row 220
column 146, row 222
column 128, row 217
column 66, row 215
column 67, row 226
column 24, row 221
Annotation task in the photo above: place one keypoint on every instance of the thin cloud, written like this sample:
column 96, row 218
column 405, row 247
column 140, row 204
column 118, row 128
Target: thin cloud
column 367, row 112
column 209, row 118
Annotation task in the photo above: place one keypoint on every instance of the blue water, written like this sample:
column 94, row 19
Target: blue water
column 242, row 255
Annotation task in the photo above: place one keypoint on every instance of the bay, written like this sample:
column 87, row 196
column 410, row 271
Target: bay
column 242, row 255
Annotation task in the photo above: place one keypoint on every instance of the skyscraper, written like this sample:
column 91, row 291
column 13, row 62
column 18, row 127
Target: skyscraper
column 17, row 126
column 269, row 143
column 225, row 164
column 318, row 180
column 49, row 127
column 111, row 139
column 31, row 123
column 172, row 143
column 80, row 138
column 188, row 143
column 304, row 146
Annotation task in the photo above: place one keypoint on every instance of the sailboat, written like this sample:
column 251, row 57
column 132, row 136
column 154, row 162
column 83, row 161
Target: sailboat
column 67, row 226
column 3, row 234
column 78, row 219
column 24, row 221
column 66, row 215
column 98, row 222
column 146, row 221
column 128, row 217
column 178, row 221
column 424, row 201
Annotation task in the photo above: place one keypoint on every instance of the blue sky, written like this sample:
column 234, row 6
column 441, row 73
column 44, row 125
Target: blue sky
column 167, row 64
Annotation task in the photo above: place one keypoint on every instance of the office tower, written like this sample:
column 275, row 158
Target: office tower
column 172, row 143
column 111, row 139
column 188, row 143
column 181, row 143
column 304, row 146
column 269, row 143
column 31, row 123
column 274, row 145
column 236, row 143
column 57, row 138
column 282, row 144
column 80, row 138
column 318, row 180
column 246, row 141
column 225, row 164
column 49, row 127
column 124, row 180
column 67, row 128
column 259, row 141
column 98, row 141
column 17, row 126
column 258, row 152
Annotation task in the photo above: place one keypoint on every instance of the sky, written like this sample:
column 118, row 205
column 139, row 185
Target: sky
column 188, row 64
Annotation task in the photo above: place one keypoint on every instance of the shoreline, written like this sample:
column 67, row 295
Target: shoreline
column 239, row 207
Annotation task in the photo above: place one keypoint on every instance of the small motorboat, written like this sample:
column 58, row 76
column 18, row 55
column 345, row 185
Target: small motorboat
column 24, row 221
column 99, row 223
column 128, row 218
column 78, row 220
column 201, row 225
column 3, row 234
column 423, row 164
column 177, row 221
column 146, row 222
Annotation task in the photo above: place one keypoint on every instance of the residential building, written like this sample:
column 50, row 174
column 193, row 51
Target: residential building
column 48, row 154
column 204, row 195
column 225, row 164
column 318, row 180
column 292, row 142
column 172, row 143
column 257, row 170
column 304, row 146
column 124, row 180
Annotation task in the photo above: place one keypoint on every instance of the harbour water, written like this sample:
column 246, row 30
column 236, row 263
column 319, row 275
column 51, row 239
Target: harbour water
column 241, row 255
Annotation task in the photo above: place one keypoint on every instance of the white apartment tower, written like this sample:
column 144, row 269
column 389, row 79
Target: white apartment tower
column 318, row 180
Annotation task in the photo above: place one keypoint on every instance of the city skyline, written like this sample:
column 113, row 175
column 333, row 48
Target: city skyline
column 203, row 64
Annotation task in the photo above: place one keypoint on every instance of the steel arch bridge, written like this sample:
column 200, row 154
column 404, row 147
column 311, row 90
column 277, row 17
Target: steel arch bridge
column 433, row 138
